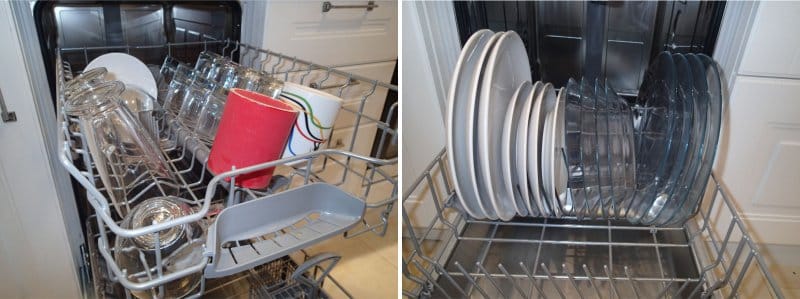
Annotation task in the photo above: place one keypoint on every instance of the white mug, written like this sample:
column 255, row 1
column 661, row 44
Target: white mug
column 315, row 122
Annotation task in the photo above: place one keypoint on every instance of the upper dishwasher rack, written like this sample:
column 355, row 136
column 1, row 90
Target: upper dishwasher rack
column 346, row 165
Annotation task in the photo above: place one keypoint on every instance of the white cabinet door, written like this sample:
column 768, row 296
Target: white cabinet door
column 773, row 48
column 759, row 156
column 338, row 37
column 36, row 259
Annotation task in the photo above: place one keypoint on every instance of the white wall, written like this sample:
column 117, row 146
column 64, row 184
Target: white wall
column 759, row 152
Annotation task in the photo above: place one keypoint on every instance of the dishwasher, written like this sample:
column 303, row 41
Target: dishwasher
column 253, row 239
column 447, row 253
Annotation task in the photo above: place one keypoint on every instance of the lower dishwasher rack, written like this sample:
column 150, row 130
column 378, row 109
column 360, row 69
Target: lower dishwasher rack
column 358, row 170
column 447, row 254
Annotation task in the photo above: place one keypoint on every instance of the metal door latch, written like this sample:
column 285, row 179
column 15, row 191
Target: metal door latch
column 327, row 6
column 7, row 116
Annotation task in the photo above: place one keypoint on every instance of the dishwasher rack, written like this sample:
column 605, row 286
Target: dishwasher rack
column 455, row 256
column 370, row 177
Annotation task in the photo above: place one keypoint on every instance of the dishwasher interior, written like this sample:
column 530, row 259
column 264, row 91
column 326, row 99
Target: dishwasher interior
column 449, row 254
column 269, row 261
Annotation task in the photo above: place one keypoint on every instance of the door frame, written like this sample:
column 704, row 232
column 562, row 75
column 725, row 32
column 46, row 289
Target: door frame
column 26, row 30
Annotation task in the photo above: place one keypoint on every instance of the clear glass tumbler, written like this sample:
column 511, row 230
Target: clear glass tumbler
column 84, row 81
column 168, row 68
column 227, row 74
column 176, row 92
column 126, row 157
column 211, row 114
column 194, row 101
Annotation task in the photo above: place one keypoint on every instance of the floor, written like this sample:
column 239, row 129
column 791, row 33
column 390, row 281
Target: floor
column 784, row 264
column 368, row 268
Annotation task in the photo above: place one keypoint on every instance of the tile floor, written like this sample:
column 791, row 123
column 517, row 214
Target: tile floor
column 368, row 268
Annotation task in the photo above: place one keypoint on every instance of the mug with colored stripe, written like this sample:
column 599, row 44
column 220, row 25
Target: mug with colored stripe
column 315, row 122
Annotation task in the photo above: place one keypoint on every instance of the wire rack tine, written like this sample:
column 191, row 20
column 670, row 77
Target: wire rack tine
column 572, row 280
column 471, row 280
column 490, row 279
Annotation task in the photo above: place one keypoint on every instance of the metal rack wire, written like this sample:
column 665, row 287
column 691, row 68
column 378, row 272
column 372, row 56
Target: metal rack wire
column 344, row 166
column 454, row 256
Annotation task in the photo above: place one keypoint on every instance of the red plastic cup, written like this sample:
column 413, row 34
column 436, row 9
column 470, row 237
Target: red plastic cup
column 254, row 129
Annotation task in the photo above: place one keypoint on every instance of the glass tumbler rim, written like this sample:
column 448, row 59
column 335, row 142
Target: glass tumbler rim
column 94, row 99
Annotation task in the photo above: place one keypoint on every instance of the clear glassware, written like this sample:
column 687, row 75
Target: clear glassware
column 179, row 247
column 271, row 87
column 205, row 60
column 211, row 114
column 84, row 81
column 258, row 81
column 144, row 107
column 600, row 152
column 194, row 101
column 227, row 74
column 128, row 160
column 656, row 125
column 210, row 70
column 168, row 68
column 250, row 79
column 178, row 87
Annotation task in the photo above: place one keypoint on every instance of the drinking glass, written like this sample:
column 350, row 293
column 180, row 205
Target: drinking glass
column 204, row 61
column 210, row 115
column 165, row 76
column 84, row 81
column 250, row 79
column 176, row 92
column 209, row 70
column 126, row 157
column 194, row 101
column 226, row 74
column 143, row 106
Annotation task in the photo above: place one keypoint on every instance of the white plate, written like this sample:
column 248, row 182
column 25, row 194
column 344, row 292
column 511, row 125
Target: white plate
column 543, row 104
column 554, row 174
column 523, row 164
column 559, row 165
column 471, row 124
column 509, row 143
column 128, row 69
column 506, row 68
column 457, row 126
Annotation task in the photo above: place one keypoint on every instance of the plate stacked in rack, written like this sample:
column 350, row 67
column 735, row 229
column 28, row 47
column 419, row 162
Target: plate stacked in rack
column 678, row 119
column 506, row 135
column 522, row 148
